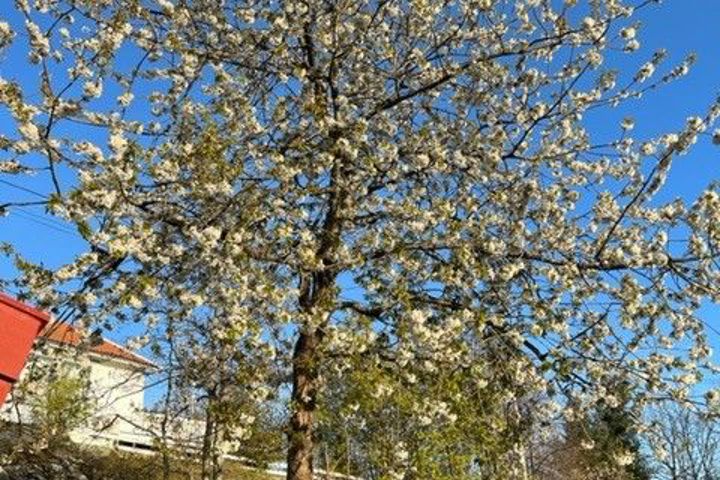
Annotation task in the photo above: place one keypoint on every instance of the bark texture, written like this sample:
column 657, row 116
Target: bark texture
column 304, row 394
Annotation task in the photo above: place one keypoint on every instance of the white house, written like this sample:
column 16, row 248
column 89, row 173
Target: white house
column 117, row 386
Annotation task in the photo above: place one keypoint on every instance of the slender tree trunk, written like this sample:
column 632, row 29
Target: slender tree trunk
column 166, row 466
column 523, row 462
column 348, row 468
column 208, row 446
column 216, row 454
column 304, row 396
column 327, row 463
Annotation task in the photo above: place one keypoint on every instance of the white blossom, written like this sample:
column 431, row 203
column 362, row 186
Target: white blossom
column 6, row 34
column 628, row 123
column 628, row 33
column 93, row 88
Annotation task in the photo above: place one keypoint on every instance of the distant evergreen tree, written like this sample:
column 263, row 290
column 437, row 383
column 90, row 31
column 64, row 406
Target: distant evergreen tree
column 606, row 445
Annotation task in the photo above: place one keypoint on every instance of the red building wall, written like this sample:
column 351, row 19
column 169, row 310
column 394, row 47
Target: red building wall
column 20, row 324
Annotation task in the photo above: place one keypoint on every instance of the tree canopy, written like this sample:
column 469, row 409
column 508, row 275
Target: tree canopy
column 391, row 186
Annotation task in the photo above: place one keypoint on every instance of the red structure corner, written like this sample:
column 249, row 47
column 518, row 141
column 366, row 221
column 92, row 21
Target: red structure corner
column 20, row 324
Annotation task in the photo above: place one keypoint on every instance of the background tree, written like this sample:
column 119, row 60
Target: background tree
column 603, row 445
column 227, row 397
column 452, row 423
column 686, row 444
column 53, row 399
column 62, row 404
column 407, row 180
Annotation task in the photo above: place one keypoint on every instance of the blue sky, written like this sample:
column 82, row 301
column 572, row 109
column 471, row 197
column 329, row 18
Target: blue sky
column 683, row 27
column 680, row 26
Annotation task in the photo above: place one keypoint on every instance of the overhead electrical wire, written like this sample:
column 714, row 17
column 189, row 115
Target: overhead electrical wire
column 24, row 189
column 46, row 222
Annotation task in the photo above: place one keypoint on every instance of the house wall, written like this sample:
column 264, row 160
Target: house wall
column 118, row 388
column 116, row 394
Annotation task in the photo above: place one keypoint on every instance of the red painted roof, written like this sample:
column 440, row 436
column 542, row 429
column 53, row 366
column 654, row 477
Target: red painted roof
column 68, row 335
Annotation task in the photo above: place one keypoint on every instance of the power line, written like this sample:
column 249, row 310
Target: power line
column 44, row 218
column 24, row 189
column 34, row 218
column 27, row 217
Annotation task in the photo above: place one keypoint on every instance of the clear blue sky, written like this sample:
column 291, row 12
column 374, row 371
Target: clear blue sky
column 680, row 26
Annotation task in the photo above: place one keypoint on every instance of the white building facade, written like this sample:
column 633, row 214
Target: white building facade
column 116, row 383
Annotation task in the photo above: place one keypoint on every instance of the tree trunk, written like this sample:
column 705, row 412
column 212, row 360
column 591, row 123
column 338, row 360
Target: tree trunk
column 216, row 452
column 316, row 294
column 165, row 445
column 208, row 446
column 304, row 396
column 327, row 463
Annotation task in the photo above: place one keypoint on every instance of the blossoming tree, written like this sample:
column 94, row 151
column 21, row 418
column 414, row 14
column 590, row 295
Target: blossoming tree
column 405, row 182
